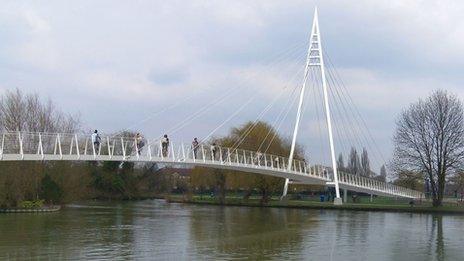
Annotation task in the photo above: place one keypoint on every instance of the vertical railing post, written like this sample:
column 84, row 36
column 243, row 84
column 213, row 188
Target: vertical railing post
column 228, row 156
column 3, row 146
column 99, row 148
column 172, row 152
column 220, row 155
column 183, row 153
column 85, row 146
column 136, row 148
column 59, row 146
column 193, row 150
column 40, row 148
column 252, row 159
column 21, row 152
column 110, row 151
column 123, row 147
column 71, row 146
column 203, row 152
column 77, row 147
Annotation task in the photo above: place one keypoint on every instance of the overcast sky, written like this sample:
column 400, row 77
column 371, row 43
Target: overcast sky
column 118, row 63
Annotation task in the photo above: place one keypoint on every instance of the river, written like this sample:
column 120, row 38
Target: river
column 156, row 230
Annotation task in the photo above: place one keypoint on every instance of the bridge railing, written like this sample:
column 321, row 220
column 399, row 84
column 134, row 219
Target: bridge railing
column 376, row 185
column 127, row 148
column 79, row 146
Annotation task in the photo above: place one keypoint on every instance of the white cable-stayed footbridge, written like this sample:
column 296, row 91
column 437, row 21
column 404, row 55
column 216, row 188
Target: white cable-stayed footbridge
column 40, row 146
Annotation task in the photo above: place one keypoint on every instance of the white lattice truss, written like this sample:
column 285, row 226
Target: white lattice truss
column 22, row 146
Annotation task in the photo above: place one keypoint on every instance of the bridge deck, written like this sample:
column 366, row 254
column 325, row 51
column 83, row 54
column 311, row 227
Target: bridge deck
column 19, row 146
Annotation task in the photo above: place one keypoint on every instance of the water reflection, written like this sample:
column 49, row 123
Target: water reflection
column 249, row 232
column 437, row 231
column 157, row 230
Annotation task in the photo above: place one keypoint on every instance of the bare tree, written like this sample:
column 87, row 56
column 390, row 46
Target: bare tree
column 429, row 140
column 354, row 164
column 365, row 164
column 340, row 162
column 383, row 173
column 26, row 112
column 19, row 112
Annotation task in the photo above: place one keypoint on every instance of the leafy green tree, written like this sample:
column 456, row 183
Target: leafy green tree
column 253, row 136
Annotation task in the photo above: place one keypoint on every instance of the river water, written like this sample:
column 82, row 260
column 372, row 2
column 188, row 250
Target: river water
column 156, row 230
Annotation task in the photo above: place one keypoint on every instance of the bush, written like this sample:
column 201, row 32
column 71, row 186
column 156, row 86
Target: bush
column 30, row 204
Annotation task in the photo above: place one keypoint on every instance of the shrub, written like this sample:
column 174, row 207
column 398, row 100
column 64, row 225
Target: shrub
column 50, row 191
column 30, row 204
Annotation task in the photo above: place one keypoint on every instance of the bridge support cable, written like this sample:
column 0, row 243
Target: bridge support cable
column 358, row 123
column 231, row 91
column 207, row 107
column 276, row 124
column 280, row 120
column 261, row 115
column 351, row 126
column 274, row 60
column 348, row 126
column 355, row 110
column 265, row 110
column 317, row 99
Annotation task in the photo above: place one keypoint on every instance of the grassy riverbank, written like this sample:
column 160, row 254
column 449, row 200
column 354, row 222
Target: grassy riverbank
column 381, row 204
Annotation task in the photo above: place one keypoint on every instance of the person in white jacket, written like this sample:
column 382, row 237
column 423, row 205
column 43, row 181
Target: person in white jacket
column 96, row 141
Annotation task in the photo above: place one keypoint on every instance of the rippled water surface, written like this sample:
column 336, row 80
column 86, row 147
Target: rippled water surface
column 153, row 229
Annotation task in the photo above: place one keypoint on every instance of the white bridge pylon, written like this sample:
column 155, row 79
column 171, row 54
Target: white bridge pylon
column 27, row 146
column 315, row 60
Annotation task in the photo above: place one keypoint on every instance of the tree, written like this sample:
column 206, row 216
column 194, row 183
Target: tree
column 260, row 136
column 354, row 165
column 50, row 190
column 409, row 179
column 457, row 181
column 28, row 113
column 429, row 140
column 383, row 174
column 253, row 136
column 340, row 162
column 365, row 164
